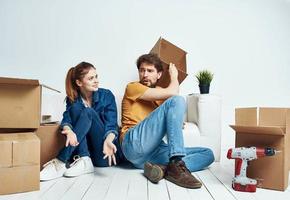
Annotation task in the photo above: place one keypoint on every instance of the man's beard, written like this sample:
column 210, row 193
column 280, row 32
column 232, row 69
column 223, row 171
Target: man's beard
column 152, row 85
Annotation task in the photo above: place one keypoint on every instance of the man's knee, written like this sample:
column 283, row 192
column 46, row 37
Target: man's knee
column 177, row 101
column 209, row 155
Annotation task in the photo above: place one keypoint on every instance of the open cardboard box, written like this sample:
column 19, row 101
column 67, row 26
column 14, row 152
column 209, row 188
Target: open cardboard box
column 266, row 127
column 21, row 102
column 169, row 53
column 19, row 162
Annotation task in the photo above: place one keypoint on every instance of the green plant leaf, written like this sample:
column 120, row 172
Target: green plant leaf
column 204, row 77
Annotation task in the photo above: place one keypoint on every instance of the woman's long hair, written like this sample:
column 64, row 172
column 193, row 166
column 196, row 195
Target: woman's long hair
column 76, row 73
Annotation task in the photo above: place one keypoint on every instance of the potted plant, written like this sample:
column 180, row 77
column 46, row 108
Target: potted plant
column 204, row 77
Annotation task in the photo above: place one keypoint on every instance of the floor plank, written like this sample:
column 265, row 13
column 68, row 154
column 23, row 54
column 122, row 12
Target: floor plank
column 59, row 188
column 120, row 185
column 214, row 186
column 125, row 183
column 137, row 186
column 79, row 187
column 157, row 191
column 101, row 183
column 200, row 194
column 176, row 193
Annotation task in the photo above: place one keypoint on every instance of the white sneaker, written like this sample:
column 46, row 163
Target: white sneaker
column 52, row 170
column 81, row 165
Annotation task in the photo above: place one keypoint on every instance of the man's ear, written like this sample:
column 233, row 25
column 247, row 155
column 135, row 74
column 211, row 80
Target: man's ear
column 79, row 83
column 159, row 75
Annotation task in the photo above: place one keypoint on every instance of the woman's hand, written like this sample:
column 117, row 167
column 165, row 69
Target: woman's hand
column 71, row 138
column 109, row 149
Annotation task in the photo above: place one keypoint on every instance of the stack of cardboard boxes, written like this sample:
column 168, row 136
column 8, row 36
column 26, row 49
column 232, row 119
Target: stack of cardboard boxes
column 20, row 119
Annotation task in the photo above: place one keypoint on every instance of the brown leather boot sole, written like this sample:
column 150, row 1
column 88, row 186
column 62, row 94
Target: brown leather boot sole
column 153, row 172
column 191, row 186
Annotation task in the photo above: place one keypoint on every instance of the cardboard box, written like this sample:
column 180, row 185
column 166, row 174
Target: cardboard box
column 169, row 53
column 19, row 164
column 51, row 142
column 20, row 103
column 266, row 127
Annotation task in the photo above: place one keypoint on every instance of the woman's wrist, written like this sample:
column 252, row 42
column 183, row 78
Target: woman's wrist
column 66, row 127
column 110, row 136
column 67, row 130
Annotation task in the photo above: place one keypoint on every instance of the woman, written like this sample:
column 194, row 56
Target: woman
column 89, row 124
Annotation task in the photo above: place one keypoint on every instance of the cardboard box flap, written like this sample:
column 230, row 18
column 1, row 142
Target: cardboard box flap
column 52, row 105
column 269, row 130
column 169, row 53
column 272, row 116
column 246, row 116
column 50, row 88
column 18, row 81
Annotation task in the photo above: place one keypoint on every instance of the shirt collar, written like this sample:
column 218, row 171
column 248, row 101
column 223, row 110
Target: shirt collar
column 95, row 97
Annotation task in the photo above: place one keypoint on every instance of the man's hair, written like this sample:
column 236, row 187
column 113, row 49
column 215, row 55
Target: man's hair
column 151, row 59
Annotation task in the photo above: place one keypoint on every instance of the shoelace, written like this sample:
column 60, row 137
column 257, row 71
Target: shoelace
column 76, row 158
column 182, row 167
column 54, row 162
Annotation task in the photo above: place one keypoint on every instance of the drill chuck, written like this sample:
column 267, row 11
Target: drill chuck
column 270, row 151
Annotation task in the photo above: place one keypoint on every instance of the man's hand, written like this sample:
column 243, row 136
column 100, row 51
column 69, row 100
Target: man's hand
column 173, row 71
column 71, row 138
column 109, row 149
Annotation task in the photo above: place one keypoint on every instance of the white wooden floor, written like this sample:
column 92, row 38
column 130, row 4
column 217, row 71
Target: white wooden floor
column 121, row 183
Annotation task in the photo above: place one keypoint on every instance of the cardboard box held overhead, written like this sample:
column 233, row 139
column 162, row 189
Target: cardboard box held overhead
column 266, row 127
column 169, row 53
column 19, row 162
column 20, row 103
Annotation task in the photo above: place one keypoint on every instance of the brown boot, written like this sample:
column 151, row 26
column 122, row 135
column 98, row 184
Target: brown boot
column 177, row 173
column 154, row 172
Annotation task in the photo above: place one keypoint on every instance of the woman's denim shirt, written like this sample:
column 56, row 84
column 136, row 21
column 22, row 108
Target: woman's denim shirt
column 103, row 103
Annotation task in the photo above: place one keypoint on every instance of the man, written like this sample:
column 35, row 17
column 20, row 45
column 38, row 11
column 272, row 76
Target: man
column 148, row 114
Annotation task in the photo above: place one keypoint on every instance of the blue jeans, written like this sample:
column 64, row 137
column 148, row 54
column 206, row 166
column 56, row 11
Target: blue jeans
column 90, row 131
column 143, row 142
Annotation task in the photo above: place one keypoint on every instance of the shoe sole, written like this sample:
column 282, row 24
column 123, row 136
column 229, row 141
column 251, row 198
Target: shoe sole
column 154, row 173
column 74, row 175
column 197, row 186
column 49, row 179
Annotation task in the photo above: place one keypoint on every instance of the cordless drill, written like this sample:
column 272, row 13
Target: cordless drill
column 242, row 155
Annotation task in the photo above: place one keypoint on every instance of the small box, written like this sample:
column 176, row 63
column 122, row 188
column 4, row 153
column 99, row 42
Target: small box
column 21, row 102
column 266, row 127
column 19, row 162
column 169, row 53
column 51, row 142
column 19, row 179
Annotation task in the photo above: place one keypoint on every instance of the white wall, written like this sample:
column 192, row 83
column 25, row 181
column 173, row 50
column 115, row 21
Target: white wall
column 245, row 43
